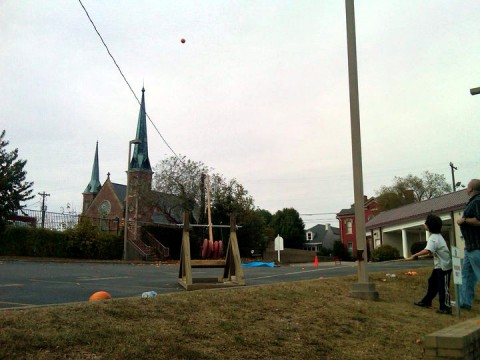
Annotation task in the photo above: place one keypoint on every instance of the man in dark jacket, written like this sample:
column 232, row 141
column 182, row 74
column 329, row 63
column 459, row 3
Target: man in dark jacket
column 470, row 227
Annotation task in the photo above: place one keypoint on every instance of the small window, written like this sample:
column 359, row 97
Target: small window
column 349, row 224
column 309, row 236
column 350, row 247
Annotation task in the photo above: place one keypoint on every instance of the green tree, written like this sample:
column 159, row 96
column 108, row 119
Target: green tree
column 409, row 189
column 186, row 180
column 267, row 215
column 269, row 231
column 180, row 177
column 253, row 234
column 14, row 190
column 290, row 226
column 230, row 197
column 339, row 250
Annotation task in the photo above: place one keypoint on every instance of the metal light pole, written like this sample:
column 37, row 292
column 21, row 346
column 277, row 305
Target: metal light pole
column 125, row 235
column 453, row 176
column 475, row 91
column 363, row 289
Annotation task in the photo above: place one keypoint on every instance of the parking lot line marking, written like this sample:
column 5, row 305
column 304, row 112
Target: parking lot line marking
column 103, row 278
column 293, row 273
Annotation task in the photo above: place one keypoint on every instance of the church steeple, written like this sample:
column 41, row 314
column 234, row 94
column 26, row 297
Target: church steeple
column 140, row 160
column 94, row 185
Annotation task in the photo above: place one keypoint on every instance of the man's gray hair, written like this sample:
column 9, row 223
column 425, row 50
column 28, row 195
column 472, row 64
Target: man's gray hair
column 475, row 185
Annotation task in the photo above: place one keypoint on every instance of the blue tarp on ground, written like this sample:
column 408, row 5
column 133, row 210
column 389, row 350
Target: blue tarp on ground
column 259, row 264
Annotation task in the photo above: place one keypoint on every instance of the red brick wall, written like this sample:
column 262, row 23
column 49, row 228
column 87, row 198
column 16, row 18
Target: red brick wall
column 371, row 209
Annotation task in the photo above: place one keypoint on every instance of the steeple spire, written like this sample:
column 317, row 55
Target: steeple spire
column 94, row 185
column 140, row 160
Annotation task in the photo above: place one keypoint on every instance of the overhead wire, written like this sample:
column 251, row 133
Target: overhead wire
column 325, row 213
column 126, row 81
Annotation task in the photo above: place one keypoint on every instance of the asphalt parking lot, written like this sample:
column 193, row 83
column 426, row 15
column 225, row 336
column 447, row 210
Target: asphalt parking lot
column 26, row 283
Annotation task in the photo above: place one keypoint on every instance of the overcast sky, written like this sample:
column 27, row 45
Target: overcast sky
column 259, row 92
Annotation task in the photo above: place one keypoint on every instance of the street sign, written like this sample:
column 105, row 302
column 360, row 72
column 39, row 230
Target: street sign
column 456, row 266
column 278, row 245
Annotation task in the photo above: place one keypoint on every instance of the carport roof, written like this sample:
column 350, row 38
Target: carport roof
column 448, row 202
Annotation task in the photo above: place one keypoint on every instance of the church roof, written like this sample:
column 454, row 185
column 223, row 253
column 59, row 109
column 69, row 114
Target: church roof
column 120, row 190
column 140, row 160
column 94, row 185
column 170, row 205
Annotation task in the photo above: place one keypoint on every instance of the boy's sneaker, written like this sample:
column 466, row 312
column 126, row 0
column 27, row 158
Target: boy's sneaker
column 447, row 311
column 422, row 304
column 466, row 307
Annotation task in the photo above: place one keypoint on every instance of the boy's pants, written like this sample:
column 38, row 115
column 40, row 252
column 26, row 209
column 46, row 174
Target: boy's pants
column 439, row 283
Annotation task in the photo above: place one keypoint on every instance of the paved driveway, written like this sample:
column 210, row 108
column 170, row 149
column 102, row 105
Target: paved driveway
column 31, row 283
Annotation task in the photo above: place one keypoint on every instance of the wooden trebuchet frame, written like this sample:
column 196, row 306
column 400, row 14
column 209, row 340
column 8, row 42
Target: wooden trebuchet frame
column 232, row 264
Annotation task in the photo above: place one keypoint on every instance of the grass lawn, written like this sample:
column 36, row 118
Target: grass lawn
column 314, row 319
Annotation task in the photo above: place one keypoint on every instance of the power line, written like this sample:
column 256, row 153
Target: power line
column 326, row 213
column 126, row 81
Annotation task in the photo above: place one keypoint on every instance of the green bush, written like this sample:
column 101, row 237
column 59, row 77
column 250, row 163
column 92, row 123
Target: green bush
column 82, row 242
column 324, row 251
column 339, row 250
column 385, row 253
column 28, row 241
column 85, row 241
column 14, row 240
column 418, row 246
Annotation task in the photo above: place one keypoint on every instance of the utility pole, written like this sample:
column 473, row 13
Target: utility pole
column 475, row 91
column 364, row 289
column 44, row 209
column 453, row 176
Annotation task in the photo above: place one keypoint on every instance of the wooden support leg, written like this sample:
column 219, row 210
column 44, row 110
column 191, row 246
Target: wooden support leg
column 185, row 272
column 233, row 264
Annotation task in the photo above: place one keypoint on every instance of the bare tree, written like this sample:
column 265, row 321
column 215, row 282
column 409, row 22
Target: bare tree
column 411, row 188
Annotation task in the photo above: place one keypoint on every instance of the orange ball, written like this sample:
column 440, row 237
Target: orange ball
column 100, row 295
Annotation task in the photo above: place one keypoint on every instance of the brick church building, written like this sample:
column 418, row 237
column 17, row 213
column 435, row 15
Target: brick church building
column 105, row 203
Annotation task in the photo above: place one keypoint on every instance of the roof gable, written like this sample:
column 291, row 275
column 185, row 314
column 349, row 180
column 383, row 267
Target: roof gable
column 103, row 194
column 322, row 234
column 443, row 203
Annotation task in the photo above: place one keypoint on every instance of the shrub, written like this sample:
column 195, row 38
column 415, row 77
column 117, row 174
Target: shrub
column 81, row 240
column 324, row 251
column 385, row 253
column 418, row 246
column 341, row 251
column 84, row 241
column 28, row 241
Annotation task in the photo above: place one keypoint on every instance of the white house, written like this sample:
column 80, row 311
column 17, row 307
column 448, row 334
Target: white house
column 403, row 226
